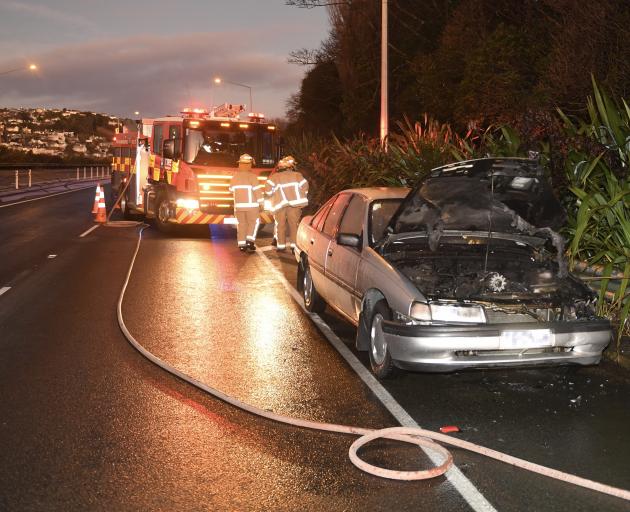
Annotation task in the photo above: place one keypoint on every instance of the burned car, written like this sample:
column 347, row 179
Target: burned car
column 469, row 273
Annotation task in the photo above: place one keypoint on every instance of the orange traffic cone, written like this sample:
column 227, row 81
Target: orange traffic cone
column 98, row 195
column 101, row 213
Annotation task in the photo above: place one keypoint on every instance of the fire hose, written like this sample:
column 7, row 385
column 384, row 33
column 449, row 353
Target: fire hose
column 417, row 436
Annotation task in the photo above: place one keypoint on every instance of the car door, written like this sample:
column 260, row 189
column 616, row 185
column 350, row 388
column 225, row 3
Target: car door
column 342, row 263
column 323, row 227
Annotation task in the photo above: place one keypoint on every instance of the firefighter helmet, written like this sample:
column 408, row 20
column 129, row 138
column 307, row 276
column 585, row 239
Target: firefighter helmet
column 245, row 161
column 288, row 162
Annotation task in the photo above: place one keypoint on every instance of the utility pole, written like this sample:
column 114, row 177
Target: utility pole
column 384, row 130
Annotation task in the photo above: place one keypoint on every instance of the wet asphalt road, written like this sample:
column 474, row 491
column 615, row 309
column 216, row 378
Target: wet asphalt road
column 88, row 424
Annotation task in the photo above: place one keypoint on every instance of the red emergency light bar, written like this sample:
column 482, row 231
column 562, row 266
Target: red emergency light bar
column 195, row 112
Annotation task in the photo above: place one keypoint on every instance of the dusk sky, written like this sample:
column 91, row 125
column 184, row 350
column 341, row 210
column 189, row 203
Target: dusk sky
column 153, row 56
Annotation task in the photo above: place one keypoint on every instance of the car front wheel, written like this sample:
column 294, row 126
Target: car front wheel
column 380, row 358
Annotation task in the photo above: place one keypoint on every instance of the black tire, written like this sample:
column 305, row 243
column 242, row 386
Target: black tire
column 124, row 204
column 313, row 301
column 162, row 208
column 380, row 358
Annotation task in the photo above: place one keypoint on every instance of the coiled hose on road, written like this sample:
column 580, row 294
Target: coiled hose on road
column 417, row 436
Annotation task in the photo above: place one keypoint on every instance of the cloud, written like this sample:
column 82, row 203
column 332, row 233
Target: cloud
column 155, row 74
column 47, row 13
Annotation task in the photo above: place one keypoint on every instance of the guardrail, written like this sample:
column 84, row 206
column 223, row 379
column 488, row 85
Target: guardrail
column 23, row 179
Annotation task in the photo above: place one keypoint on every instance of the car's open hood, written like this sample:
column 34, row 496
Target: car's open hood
column 509, row 195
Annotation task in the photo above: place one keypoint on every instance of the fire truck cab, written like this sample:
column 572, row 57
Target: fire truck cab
column 179, row 167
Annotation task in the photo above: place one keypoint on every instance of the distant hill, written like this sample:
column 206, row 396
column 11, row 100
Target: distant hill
column 56, row 135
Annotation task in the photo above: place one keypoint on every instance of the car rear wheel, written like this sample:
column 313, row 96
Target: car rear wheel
column 380, row 358
column 313, row 301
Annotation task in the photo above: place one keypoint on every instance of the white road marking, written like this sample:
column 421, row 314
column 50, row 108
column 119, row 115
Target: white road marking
column 4, row 289
column 88, row 231
column 52, row 256
column 45, row 197
column 465, row 487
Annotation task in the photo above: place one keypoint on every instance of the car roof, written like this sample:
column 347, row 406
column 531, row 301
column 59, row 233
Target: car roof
column 372, row 193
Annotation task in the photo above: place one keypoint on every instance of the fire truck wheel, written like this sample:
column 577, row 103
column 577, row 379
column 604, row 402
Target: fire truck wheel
column 124, row 205
column 313, row 301
column 380, row 358
column 162, row 214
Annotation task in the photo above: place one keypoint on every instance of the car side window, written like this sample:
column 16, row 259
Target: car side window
column 332, row 219
column 320, row 216
column 381, row 213
column 352, row 221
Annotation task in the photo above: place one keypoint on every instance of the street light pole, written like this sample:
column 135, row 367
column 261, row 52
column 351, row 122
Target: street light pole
column 251, row 102
column 384, row 128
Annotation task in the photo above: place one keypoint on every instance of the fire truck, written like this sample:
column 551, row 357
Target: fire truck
column 179, row 167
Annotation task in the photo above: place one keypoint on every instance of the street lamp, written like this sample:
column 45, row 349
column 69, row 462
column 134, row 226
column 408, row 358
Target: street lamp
column 30, row 67
column 219, row 81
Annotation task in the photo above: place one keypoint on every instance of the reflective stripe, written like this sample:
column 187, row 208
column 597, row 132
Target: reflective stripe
column 242, row 242
column 281, row 246
column 298, row 202
column 283, row 203
column 246, row 205
column 302, row 183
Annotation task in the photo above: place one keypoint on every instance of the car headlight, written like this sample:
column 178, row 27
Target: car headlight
column 464, row 313
column 189, row 204
column 420, row 311
column 458, row 313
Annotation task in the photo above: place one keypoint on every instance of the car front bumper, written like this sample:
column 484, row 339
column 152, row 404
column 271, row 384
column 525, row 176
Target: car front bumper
column 450, row 348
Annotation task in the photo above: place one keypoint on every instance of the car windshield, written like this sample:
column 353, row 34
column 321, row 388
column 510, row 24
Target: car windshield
column 212, row 146
column 381, row 212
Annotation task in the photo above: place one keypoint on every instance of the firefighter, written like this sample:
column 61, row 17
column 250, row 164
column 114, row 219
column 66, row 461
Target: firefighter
column 248, row 196
column 288, row 190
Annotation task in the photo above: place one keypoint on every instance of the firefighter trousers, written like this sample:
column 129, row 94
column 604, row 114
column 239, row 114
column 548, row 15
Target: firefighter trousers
column 287, row 216
column 247, row 227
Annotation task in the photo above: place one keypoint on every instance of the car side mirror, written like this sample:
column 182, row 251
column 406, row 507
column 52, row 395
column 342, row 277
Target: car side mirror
column 349, row 240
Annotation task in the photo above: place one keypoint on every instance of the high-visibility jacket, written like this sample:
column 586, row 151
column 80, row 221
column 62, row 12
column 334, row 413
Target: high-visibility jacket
column 246, row 189
column 287, row 188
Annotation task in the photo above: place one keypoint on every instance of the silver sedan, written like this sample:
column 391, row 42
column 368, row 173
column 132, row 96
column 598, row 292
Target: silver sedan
column 464, row 271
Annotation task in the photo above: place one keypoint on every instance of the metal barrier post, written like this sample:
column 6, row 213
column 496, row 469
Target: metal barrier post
column 77, row 173
column 29, row 178
column 91, row 171
column 17, row 182
column 84, row 171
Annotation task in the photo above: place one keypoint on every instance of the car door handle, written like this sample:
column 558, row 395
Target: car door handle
column 330, row 252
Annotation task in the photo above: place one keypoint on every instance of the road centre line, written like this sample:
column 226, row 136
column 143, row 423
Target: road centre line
column 4, row 289
column 45, row 197
column 88, row 231
column 464, row 486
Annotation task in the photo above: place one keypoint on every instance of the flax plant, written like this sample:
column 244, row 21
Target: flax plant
column 599, row 223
